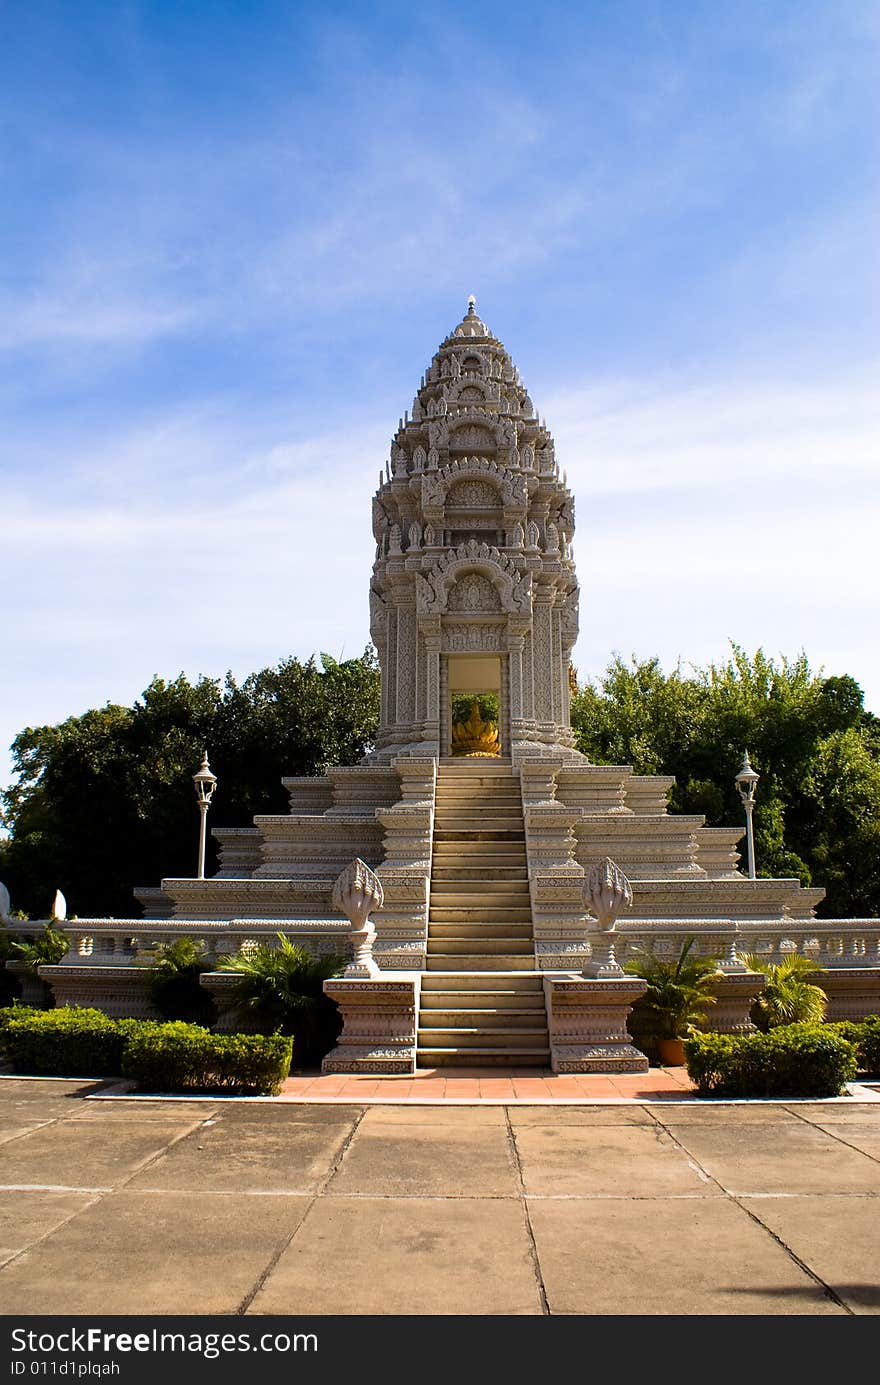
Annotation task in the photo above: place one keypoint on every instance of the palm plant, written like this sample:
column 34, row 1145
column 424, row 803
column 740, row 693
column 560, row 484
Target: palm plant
column 788, row 997
column 280, row 990
column 175, row 968
column 47, row 948
column 678, row 994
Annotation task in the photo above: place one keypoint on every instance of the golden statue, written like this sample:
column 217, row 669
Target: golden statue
column 475, row 736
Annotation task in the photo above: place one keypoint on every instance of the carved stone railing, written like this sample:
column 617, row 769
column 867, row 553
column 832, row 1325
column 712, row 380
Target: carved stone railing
column 405, row 873
column 846, row 950
column 555, row 877
column 129, row 942
column 832, row 943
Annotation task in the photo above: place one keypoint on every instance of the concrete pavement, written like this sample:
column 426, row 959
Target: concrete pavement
column 236, row 1207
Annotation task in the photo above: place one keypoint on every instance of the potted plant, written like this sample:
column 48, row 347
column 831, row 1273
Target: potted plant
column 677, row 998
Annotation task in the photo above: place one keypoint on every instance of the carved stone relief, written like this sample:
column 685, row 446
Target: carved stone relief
column 473, row 593
column 475, row 638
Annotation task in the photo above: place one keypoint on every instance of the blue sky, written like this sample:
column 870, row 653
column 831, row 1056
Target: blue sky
column 232, row 235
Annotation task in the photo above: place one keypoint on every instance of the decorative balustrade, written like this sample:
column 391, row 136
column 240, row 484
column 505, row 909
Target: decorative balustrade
column 831, row 943
column 126, row 942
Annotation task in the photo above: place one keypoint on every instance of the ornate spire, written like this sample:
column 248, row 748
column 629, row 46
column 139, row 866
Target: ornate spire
column 473, row 530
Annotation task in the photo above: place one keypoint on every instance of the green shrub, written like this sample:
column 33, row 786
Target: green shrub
column 175, row 969
column 864, row 1035
column 182, row 1057
column 65, row 1042
column 807, row 1060
column 72, row 1042
column 281, row 989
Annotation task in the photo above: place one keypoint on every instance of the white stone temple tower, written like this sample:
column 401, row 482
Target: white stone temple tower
column 473, row 587
column 483, row 832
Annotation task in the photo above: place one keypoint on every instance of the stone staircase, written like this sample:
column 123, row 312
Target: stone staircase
column 482, row 1000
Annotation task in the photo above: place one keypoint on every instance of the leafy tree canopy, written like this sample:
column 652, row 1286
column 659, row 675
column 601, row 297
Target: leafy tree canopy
column 104, row 801
column 817, row 813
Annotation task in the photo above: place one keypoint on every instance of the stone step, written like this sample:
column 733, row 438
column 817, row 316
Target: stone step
column 473, row 784
column 474, row 961
column 481, row 913
column 485, row 833
column 477, row 931
column 477, row 817
column 485, row 794
column 487, row 994
column 479, row 874
column 482, row 768
column 480, row 1038
column 470, row 894
column 468, row 1001
column 503, row 943
column 478, row 853
column 501, row 984
column 483, row 1057
column 474, row 816
column 509, row 1017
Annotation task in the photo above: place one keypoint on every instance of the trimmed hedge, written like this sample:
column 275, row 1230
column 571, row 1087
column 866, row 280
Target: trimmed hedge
column 807, row 1060
column 864, row 1035
column 175, row 1057
column 180, row 1057
column 66, row 1042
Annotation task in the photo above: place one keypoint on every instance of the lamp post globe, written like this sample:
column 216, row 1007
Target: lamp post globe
column 205, row 783
column 747, row 781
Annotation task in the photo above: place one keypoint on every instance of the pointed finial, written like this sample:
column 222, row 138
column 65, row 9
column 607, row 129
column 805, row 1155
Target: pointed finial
column 472, row 305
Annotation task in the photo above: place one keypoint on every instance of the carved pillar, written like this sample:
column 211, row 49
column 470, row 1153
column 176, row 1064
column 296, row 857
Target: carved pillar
column 504, row 717
column 432, row 699
column 406, row 664
column 514, row 663
column 402, row 923
column 542, row 634
column 421, row 699
column 555, row 878
column 445, row 729
column 389, row 671
column 528, row 691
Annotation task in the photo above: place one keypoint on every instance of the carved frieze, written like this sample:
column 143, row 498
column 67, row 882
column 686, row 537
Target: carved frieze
column 473, row 638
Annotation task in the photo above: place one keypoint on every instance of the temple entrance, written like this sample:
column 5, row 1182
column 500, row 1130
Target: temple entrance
column 475, row 713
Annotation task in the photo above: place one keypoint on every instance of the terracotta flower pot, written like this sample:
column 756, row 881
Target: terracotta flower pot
column 671, row 1052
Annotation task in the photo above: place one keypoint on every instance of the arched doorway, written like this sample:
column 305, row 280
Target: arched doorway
column 475, row 718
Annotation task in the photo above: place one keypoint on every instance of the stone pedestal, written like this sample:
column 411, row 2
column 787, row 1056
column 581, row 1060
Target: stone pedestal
column 587, row 1017
column 735, row 993
column 120, row 992
column 33, row 991
column 220, row 985
column 853, row 992
column 378, row 1025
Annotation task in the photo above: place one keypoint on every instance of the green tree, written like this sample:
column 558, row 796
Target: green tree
column 817, row 814
column 104, row 801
